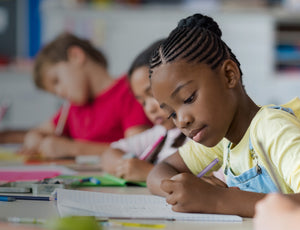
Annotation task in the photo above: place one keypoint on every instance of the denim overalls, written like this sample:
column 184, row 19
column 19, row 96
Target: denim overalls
column 255, row 179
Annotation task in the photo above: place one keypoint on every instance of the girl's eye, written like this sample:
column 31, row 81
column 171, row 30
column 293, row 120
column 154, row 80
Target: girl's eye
column 55, row 81
column 190, row 99
column 172, row 115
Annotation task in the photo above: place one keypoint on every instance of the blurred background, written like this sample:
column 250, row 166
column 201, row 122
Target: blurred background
column 264, row 35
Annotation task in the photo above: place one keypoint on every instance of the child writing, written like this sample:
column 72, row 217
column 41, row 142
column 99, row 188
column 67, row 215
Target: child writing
column 134, row 168
column 102, row 109
column 276, row 212
column 197, row 80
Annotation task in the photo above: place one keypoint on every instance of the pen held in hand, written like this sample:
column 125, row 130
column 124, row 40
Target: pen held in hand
column 148, row 152
column 208, row 167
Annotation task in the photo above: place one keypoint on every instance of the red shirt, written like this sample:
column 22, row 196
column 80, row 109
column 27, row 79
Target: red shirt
column 107, row 117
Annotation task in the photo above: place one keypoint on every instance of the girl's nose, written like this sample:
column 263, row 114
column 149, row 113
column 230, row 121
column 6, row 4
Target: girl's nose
column 151, row 105
column 183, row 119
column 60, row 92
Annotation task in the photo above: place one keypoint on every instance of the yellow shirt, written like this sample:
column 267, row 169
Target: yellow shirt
column 278, row 130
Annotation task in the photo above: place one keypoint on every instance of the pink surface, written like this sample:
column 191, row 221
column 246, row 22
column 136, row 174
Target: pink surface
column 10, row 176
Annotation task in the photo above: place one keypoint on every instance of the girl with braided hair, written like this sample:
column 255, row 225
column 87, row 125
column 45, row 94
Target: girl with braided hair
column 197, row 80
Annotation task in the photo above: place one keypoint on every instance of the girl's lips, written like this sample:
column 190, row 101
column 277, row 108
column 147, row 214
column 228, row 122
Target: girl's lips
column 158, row 120
column 198, row 134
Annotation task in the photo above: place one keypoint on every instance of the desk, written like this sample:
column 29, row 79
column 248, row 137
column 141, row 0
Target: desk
column 47, row 210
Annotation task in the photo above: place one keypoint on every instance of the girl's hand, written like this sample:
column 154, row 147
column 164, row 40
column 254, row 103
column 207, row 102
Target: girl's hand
column 32, row 141
column 54, row 147
column 187, row 193
column 276, row 212
column 133, row 169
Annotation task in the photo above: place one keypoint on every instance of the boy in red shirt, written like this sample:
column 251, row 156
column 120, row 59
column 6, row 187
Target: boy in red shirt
column 102, row 109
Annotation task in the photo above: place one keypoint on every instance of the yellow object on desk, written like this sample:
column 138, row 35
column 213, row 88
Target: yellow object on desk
column 132, row 224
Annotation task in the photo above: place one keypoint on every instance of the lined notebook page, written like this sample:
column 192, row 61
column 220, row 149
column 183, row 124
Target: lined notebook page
column 73, row 202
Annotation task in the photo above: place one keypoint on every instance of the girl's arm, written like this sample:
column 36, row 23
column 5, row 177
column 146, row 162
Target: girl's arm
column 58, row 147
column 34, row 137
column 133, row 169
column 110, row 160
column 12, row 136
column 270, row 208
column 171, row 166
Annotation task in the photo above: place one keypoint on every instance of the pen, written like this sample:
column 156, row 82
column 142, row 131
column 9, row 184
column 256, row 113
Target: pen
column 5, row 198
column 62, row 119
column 208, row 167
column 44, row 198
column 148, row 151
column 271, row 170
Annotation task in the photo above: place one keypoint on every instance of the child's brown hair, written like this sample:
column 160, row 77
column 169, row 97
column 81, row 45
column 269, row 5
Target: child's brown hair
column 57, row 51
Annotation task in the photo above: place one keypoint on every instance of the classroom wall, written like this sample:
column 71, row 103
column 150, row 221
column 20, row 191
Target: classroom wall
column 122, row 33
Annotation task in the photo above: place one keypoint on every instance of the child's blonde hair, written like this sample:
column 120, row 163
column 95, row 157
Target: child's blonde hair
column 57, row 51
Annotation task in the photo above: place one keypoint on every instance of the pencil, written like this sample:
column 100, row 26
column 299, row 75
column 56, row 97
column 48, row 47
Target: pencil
column 112, row 223
column 147, row 153
column 269, row 165
column 207, row 168
column 62, row 119
column 44, row 198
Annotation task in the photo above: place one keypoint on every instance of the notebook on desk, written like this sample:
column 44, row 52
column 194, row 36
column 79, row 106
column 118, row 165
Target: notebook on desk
column 105, row 179
column 108, row 205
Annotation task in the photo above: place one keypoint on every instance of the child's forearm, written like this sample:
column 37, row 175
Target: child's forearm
column 237, row 202
column 12, row 136
column 77, row 148
column 160, row 172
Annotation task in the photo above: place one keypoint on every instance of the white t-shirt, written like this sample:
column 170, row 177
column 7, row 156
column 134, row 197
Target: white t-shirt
column 137, row 144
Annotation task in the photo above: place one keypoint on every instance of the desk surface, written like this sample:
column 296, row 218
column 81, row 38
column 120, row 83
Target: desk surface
column 47, row 210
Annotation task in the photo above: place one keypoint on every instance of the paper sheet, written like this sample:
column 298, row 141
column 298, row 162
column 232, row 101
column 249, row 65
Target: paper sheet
column 73, row 202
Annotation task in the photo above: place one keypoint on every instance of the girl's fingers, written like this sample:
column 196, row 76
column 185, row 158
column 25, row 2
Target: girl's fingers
column 171, row 199
column 167, row 186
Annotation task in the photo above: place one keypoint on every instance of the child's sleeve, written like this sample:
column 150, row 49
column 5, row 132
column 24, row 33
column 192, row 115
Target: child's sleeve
column 197, row 156
column 138, row 143
column 279, row 132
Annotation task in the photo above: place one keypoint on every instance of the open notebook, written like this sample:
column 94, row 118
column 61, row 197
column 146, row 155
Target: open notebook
column 105, row 179
column 73, row 202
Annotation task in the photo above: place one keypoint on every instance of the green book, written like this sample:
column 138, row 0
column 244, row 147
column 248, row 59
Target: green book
column 105, row 180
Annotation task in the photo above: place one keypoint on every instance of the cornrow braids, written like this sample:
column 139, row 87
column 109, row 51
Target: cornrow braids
column 196, row 39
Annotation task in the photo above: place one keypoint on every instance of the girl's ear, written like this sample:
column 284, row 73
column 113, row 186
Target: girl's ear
column 76, row 55
column 231, row 72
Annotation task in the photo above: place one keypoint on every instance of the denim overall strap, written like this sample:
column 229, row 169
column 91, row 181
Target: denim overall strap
column 255, row 179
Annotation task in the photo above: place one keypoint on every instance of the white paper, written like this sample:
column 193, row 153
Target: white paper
column 73, row 202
